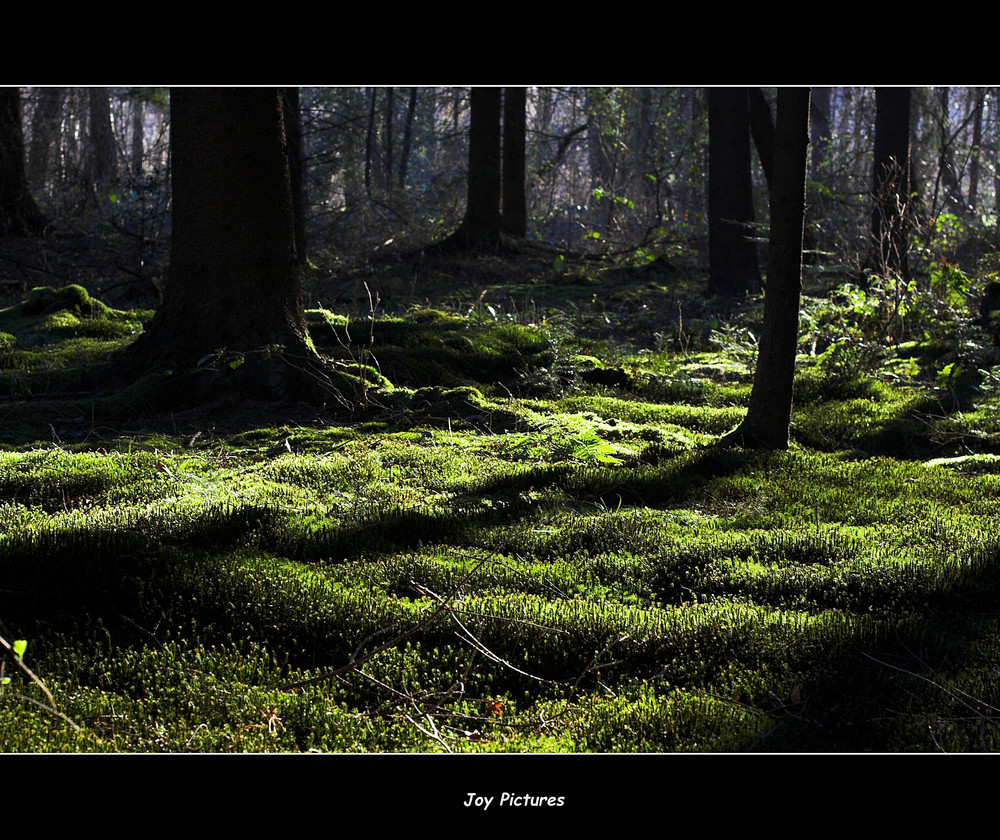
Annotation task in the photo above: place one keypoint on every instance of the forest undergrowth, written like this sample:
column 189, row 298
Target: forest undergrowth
column 515, row 533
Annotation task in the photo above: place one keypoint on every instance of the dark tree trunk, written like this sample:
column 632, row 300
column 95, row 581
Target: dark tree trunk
column 102, row 161
column 762, row 131
column 977, row 96
column 138, row 129
column 769, row 413
column 387, row 147
column 232, row 292
column 404, row 153
column 733, row 267
column 514, row 214
column 891, row 186
column 293, row 132
column 19, row 216
column 370, row 141
column 481, row 224
column 45, row 130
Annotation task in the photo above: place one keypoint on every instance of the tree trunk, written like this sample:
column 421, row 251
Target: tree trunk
column 232, row 294
column 762, row 131
column 977, row 96
column 769, row 413
column 101, row 167
column 733, row 267
column 947, row 174
column 19, row 215
column 388, row 175
column 404, row 153
column 514, row 214
column 138, row 130
column 891, row 185
column 370, row 141
column 292, row 114
column 45, row 130
column 481, row 224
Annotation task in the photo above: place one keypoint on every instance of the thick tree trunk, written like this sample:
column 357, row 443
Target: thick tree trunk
column 19, row 215
column 232, row 300
column 733, row 267
column 45, row 130
column 293, row 132
column 514, row 213
column 769, row 413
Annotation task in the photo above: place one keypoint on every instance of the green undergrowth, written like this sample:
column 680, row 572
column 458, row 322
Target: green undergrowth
column 521, row 539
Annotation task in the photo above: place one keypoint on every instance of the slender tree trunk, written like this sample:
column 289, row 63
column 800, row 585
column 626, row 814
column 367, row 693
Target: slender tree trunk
column 514, row 214
column 977, row 96
column 762, row 131
column 19, row 215
column 733, row 267
column 138, row 130
column 769, row 412
column 891, row 184
column 947, row 175
column 387, row 144
column 102, row 162
column 404, row 154
column 370, row 141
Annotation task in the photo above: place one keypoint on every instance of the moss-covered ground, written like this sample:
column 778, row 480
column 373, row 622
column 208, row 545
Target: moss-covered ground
column 513, row 535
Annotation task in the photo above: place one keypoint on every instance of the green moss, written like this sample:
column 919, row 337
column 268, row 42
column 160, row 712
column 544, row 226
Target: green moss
column 514, row 558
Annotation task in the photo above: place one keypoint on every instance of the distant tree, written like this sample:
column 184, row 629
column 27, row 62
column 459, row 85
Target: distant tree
column 733, row 267
column 891, row 184
column 483, row 223
column 233, row 294
column 976, row 101
column 102, row 163
column 404, row 153
column 947, row 174
column 19, row 214
column 768, row 415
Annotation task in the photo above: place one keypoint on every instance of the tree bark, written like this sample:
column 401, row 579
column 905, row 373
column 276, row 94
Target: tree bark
column 102, row 160
column 481, row 223
column 769, row 413
column 45, row 130
column 233, row 292
column 404, row 153
column 977, row 96
column 514, row 212
column 292, row 115
column 19, row 216
column 733, row 267
column 762, row 132
column 138, row 129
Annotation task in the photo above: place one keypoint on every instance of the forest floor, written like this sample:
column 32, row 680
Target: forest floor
column 515, row 535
